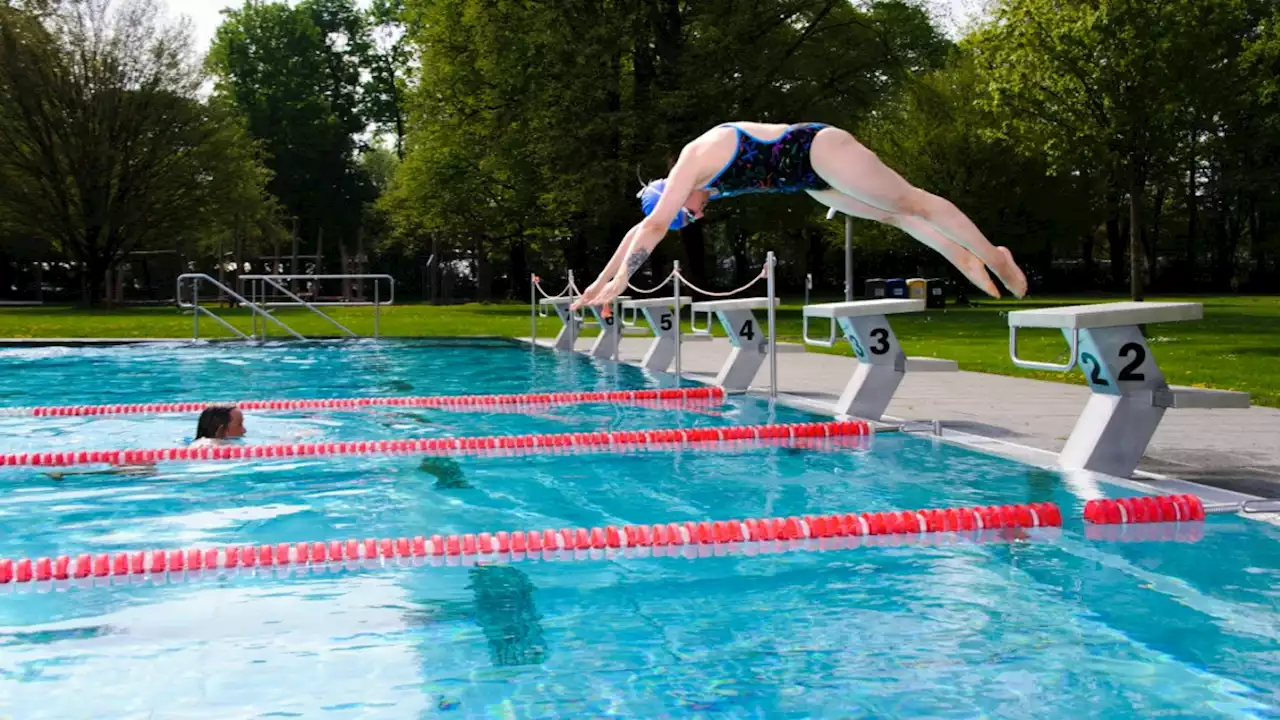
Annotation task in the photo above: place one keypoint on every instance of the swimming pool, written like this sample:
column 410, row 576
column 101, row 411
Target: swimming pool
column 1062, row 625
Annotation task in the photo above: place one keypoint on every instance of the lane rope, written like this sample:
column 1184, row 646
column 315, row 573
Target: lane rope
column 1147, row 509
column 500, row 444
column 665, row 395
column 745, row 536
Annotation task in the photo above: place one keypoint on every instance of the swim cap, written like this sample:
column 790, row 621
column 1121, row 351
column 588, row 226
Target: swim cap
column 650, row 195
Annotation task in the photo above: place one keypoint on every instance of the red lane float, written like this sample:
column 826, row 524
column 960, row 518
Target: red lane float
column 500, row 444
column 667, row 395
column 1149, row 509
column 1008, row 522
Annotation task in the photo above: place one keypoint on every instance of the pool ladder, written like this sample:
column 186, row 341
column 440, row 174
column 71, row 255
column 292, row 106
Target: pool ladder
column 196, row 279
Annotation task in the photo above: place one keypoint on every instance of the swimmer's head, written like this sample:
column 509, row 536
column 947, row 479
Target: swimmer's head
column 651, row 193
column 220, row 423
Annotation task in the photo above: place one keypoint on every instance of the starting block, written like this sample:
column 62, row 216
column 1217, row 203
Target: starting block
column 1130, row 394
column 664, row 320
column 606, row 343
column 565, row 338
column 750, row 342
column 881, row 359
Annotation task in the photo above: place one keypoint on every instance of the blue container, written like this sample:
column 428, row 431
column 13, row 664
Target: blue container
column 895, row 288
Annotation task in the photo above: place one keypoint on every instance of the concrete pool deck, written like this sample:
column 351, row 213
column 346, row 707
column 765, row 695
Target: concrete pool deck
column 1235, row 450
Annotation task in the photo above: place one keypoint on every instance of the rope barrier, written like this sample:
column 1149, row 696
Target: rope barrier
column 764, row 272
column 502, row 444
column 537, row 283
column 708, row 393
column 760, row 534
column 661, row 285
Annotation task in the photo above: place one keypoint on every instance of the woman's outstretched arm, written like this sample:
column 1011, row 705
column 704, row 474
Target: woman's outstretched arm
column 640, row 241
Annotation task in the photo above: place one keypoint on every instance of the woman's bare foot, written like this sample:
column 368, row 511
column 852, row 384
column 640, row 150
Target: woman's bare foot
column 1011, row 275
column 974, row 269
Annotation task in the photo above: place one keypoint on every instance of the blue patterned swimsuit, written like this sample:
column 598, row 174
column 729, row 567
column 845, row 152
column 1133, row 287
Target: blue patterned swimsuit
column 773, row 166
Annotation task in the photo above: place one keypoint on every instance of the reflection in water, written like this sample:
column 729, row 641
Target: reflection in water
column 506, row 613
column 49, row 637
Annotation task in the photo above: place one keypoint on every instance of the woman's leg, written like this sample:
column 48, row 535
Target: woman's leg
column 968, row 263
column 856, row 171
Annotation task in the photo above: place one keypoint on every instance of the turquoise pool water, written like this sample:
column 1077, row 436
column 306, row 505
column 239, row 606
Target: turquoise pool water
column 1061, row 625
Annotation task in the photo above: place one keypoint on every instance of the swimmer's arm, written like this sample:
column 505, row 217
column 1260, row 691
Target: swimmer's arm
column 640, row 241
column 610, row 269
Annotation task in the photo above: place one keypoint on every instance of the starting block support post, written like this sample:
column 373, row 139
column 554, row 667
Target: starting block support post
column 882, row 362
column 571, row 324
column 663, row 317
column 1129, row 392
column 606, row 343
column 750, row 343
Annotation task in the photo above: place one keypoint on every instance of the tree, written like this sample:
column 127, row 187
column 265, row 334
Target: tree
column 295, row 73
column 104, row 144
column 1104, row 84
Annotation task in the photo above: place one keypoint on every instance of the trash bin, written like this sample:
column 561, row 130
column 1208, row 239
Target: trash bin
column 895, row 288
column 937, row 293
column 917, row 288
column 875, row 288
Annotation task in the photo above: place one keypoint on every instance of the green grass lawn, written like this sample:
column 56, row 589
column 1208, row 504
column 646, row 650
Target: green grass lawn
column 1236, row 347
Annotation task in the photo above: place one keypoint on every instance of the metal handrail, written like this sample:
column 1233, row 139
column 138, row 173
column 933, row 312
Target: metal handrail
column 377, row 301
column 1073, row 341
column 194, row 306
column 267, row 279
column 804, row 333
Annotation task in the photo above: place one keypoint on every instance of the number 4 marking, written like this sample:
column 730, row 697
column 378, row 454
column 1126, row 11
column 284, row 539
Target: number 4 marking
column 747, row 331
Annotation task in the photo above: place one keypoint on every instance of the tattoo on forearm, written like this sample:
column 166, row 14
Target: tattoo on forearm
column 635, row 260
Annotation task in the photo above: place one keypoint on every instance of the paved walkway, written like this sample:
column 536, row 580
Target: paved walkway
column 1231, row 449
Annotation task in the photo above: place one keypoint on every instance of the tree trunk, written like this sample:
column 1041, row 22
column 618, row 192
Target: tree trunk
column 1137, row 186
column 1115, row 240
column 484, row 273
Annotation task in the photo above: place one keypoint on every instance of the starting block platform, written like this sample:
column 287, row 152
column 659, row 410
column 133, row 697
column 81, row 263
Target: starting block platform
column 1129, row 392
column 663, row 318
column 750, row 342
column 570, row 323
column 881, row 359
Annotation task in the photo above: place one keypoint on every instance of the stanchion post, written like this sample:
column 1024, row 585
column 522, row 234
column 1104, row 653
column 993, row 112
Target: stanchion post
column 573, row 319
column 195, row 309
column 377, row 307
column 533, row 312
column 771, row 261
column 616, row 304
column 675, row 282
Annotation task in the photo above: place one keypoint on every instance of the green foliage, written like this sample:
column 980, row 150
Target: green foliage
column 105, row 147
column 295, row 73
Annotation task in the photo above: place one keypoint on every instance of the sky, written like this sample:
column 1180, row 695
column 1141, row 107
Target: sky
column 205, row 14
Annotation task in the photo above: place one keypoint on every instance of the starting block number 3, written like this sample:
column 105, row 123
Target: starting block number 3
column 869, row 339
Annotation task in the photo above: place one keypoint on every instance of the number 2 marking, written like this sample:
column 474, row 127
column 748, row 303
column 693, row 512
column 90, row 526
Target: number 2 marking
column 1140, row 356
column 1096, row 376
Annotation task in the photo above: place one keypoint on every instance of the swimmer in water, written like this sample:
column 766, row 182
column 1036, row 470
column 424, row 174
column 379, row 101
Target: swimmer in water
column 447, row 471
column 217, row 425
